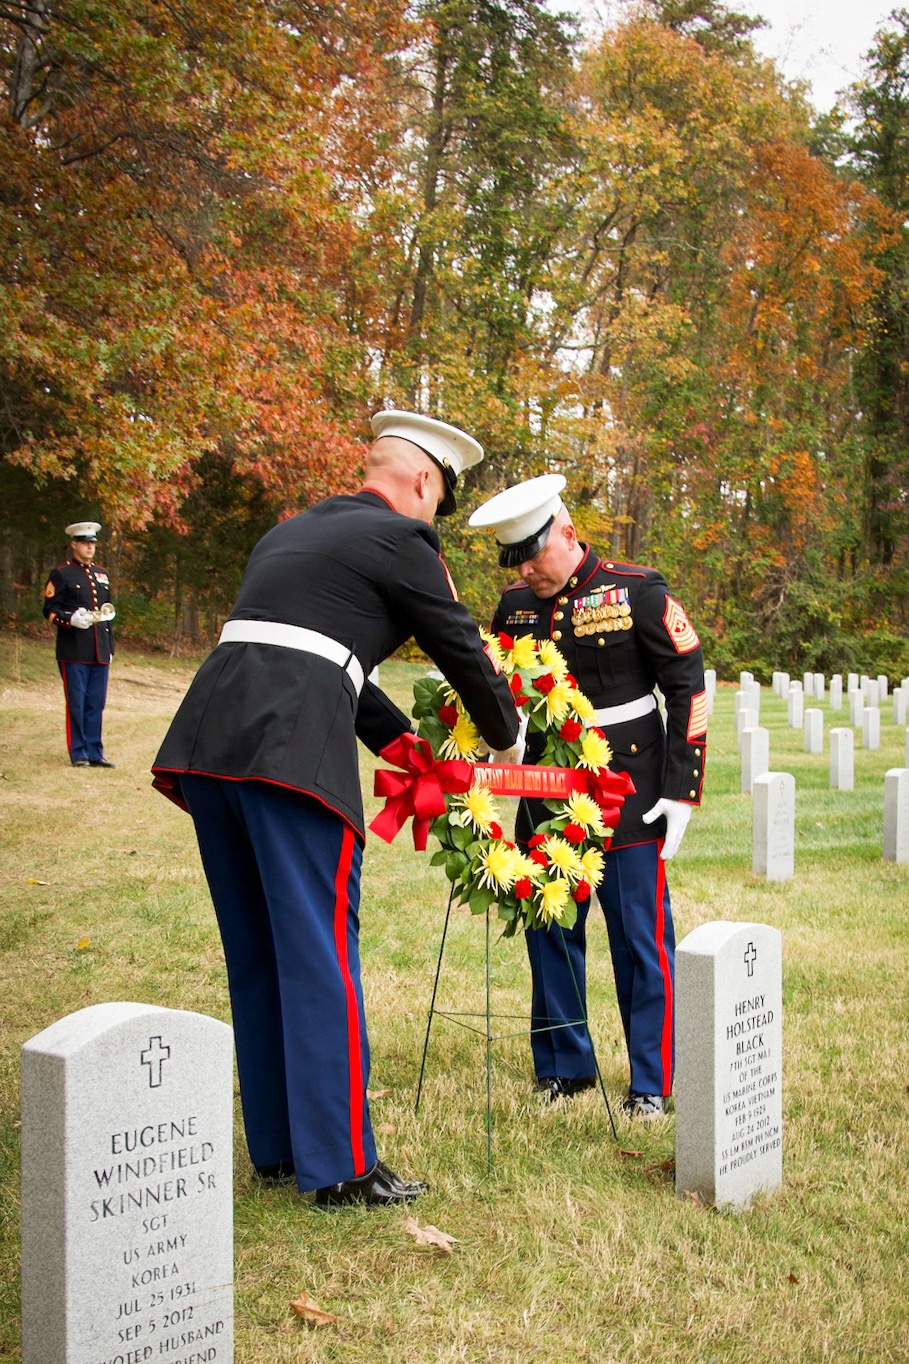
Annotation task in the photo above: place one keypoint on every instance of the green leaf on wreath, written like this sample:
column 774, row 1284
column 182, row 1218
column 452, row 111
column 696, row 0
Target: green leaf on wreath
column 481, row 899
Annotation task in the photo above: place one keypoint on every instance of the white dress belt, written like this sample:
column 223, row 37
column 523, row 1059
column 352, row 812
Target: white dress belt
column 631, row 710
column 294, row 637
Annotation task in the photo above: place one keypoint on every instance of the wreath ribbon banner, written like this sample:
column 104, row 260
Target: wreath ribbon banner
column 418, row 791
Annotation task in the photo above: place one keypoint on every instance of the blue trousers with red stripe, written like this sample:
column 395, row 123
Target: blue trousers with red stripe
column 284, row 875
column 85, row 690
column 635, row 900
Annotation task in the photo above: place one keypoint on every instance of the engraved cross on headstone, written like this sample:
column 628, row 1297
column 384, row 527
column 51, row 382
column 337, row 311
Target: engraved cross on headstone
column 750, row 957
column 154, row 1057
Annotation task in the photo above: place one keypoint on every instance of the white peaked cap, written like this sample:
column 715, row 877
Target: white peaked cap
column 450, row 447
column 83, row 530
column 522, row 517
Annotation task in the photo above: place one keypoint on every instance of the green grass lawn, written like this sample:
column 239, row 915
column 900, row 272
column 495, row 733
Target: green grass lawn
column 575, row 1247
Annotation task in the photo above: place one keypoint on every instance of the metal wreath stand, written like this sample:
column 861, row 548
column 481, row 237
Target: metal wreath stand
column 461, row 1018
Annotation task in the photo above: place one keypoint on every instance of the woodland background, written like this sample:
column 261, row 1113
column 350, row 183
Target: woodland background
column 231, row 231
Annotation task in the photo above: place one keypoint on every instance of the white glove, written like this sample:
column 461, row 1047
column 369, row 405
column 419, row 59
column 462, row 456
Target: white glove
column 515, row 754
column 81, row 619
column 677, row 816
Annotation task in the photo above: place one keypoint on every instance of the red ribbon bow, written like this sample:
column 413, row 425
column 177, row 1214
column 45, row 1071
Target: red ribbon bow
column 610, row 789
column 418, row 790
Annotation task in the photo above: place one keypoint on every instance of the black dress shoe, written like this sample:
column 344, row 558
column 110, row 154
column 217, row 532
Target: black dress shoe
column 378, row 1185
column 281, row 1173
column 564, row 1086
column 101, row 762
column 81, row 762
column 644, row 1106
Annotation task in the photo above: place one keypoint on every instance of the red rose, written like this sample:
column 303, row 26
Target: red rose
column 495, row 830
column 570, row 730
column 448, row 715
column 574, row 833
column 523, row 888
column 581, row 892
column 595, row 729
column 572, row 681
column 539, row 857
column 537, row 841
column 545, row 684
column 506, row 641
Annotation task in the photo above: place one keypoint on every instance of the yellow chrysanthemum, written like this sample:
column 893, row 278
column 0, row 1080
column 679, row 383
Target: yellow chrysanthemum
column 496, row 865
column 554, row 897
column 558, row 703
column 524, row 653
column 479, row 807
column 451, row 698
column 551, row 658
column 583, row 809
column 463, row 740
column 595, row 752
column 524, row 866
column 563, row 856
column 496, row 652
column 582, row 706
column 593, row 867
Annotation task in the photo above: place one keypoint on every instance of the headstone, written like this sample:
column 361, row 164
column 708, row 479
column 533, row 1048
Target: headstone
column 710, row 686
column 753, row 693
column 814, row 730
column 883, row 686
column 746, row 719
column 745, row 677
column 775, row 681
column 836, row 692
column 819, row 686
column 852, row 681
column 808, row 684
column 899, row 707
column 773, row 826
column 784, row 686
column 729, row 1063
column 127, row 1194
column 755, row 756
column 842, row 760
column 871, row 727
column 856, row 707
column 795, row 704
column 896, row 815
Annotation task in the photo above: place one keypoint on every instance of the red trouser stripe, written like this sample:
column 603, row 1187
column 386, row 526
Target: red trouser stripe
column 666, row 1033
column 354, row 1054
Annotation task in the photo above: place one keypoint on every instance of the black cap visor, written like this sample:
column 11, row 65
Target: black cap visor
column 512, row 555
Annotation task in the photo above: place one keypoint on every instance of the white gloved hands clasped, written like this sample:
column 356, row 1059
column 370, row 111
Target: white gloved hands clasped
column 82, row 619
column 677, row 816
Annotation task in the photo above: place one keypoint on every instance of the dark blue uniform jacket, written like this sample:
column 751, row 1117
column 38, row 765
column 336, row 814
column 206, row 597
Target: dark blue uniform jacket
column 356, row 570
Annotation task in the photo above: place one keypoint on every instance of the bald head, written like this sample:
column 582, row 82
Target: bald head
column 405, row 476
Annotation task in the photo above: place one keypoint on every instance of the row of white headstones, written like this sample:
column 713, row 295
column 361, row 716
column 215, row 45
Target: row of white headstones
column 773, row 826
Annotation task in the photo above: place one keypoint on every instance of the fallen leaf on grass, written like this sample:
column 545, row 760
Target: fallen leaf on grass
column 630, row 1155
column 82, row 944
column 665, row 1167
column 377, row 1094
column 793, row 1278
column 33, row 881
column 309, row 1311
column 429, row 1236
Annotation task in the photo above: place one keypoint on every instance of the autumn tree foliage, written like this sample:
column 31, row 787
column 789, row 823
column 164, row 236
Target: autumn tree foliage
column 229, row 232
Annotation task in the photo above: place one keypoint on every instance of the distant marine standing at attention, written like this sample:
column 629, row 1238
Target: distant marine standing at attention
column 77, row 601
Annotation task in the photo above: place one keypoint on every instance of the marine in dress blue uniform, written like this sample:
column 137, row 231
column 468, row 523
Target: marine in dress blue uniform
column 622, row 634
column 263, row 754
column 77, row 601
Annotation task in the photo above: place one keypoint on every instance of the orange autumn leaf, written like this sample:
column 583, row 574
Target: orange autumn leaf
column 308, row 1310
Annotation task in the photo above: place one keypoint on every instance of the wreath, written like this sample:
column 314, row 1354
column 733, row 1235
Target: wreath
column 564, row 861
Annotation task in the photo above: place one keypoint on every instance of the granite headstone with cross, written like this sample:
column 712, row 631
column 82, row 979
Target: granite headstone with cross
column 127, row 1194
column 729, row 1063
